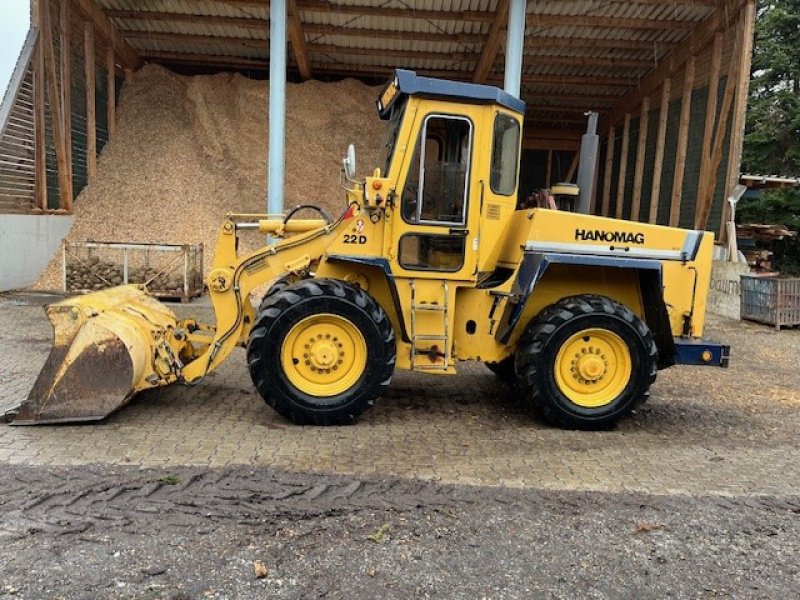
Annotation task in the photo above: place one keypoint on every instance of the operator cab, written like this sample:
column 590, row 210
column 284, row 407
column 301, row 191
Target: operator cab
column 451, row 157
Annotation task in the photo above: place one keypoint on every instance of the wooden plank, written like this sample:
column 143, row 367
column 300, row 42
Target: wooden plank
column 711, row 116
column 39, row 110
column 551, row 144
column 549, row 168
column 573, row 167
column 111, row 92
column 492, row 44
column 66, row 86
column 91, row 12
column 605, row 206
column 297, row 38
column 641, row 149
column 683, row 140
column 56, row 110
column 658, row 161
column 700, row 37
column 737, row 126
column 89, row 62
column 731, row 85
column 623, row 167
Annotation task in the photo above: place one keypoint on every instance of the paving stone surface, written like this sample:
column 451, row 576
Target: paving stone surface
column 704, row 430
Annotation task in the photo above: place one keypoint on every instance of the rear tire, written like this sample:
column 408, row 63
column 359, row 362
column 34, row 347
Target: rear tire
column 321, row 352
column 586, row 362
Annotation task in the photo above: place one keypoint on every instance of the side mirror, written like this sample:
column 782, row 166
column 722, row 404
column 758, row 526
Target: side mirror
column 349, row 162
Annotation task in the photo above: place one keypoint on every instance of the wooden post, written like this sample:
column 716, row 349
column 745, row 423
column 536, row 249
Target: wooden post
column 737, row 126
column 734, row 74
column 111, row 92
column 51, row 77
column 40, row 149
column 683, row 139
column 658, row 161
column 623, row 167
column 612, row 131
column 91, row 117
column 66, row 86
column 711, row 117
column 549, row 169
column 573, row 166
column 641, row 149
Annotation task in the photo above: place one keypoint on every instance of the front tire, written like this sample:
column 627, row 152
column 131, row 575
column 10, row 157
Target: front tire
column 586, row 362
column 321, row 352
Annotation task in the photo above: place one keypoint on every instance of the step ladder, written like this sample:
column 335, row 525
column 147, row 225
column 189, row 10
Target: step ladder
column 443, row 338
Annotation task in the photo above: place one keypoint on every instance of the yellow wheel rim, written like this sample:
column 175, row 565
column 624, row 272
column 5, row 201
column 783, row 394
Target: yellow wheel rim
column 324, row 355
column 593, row 367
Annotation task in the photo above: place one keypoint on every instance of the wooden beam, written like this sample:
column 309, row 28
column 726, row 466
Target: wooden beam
column 740, row 108
column 731, row 86
column 40, row 142
column 573, row 167
column 551, row 144
column 66, row 86
column 623, row 167
column 90, row 11
column 492, row 44
column 675, row 61
column 57, row 116
column 298, row 41
column 549, row 168
column 711, row 116
column 111, row 92
column 323, row 30
column 475, row 16
column 605, row 206
column 683, row 139
column 90, row 66
column 617, row 23
column 641, row 149
column 658, row 161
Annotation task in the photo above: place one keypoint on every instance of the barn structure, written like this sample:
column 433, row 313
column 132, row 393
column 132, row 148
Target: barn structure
column 669, row 79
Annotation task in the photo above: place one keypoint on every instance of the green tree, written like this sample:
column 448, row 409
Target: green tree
column 772, row 134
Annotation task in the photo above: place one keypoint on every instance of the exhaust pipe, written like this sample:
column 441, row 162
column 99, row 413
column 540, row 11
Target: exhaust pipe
column 587, row 165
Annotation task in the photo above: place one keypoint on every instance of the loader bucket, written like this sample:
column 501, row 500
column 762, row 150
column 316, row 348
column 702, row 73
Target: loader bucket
column 102, row 353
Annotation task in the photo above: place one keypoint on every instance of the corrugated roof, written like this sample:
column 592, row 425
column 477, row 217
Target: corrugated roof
column 601, row 47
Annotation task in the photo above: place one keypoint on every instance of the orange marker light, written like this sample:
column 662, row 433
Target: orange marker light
column 376, row 185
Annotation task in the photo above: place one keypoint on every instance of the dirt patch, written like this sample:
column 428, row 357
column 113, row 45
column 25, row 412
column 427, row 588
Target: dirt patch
column 128, row 533
column 190, row 149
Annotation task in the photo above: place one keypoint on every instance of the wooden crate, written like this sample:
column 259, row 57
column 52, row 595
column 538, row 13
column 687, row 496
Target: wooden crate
column 167, row 270
column 771, row 300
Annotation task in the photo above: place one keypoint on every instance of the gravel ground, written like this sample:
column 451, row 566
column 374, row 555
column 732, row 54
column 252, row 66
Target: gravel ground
column 100, row 532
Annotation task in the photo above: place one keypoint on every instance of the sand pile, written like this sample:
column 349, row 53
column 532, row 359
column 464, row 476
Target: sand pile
column 190, row 149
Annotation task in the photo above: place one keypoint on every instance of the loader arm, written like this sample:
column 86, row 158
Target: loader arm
column 233, row 278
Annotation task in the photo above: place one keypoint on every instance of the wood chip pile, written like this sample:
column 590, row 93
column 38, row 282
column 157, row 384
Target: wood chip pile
column 190, row 149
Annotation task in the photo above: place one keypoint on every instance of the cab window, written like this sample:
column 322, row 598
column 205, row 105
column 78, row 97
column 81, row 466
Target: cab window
column 437, row 184
column 505, row 151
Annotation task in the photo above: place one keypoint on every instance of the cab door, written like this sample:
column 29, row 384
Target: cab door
column 435, row 230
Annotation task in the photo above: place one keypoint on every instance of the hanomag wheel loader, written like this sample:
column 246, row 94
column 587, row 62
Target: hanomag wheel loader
column 430, row 263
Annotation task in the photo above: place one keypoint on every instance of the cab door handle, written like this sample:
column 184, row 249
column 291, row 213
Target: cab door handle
column 459, row 231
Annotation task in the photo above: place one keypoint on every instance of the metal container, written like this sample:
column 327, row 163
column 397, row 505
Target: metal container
column 771, row 300
column 167, row 270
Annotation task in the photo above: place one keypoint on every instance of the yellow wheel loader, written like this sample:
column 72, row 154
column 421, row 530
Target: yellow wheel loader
column 431, row 262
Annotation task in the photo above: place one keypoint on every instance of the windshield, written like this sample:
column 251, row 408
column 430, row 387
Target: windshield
column 390, row 136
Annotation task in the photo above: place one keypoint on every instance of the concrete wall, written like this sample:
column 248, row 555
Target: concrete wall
column 27, row 244
column 724, row 296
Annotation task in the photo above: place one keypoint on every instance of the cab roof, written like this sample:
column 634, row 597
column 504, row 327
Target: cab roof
column 408, row 83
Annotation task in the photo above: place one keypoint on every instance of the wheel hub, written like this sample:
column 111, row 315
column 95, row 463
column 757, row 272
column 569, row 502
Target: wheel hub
column 590, row 367
column 593, row 367
column 324, row 355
